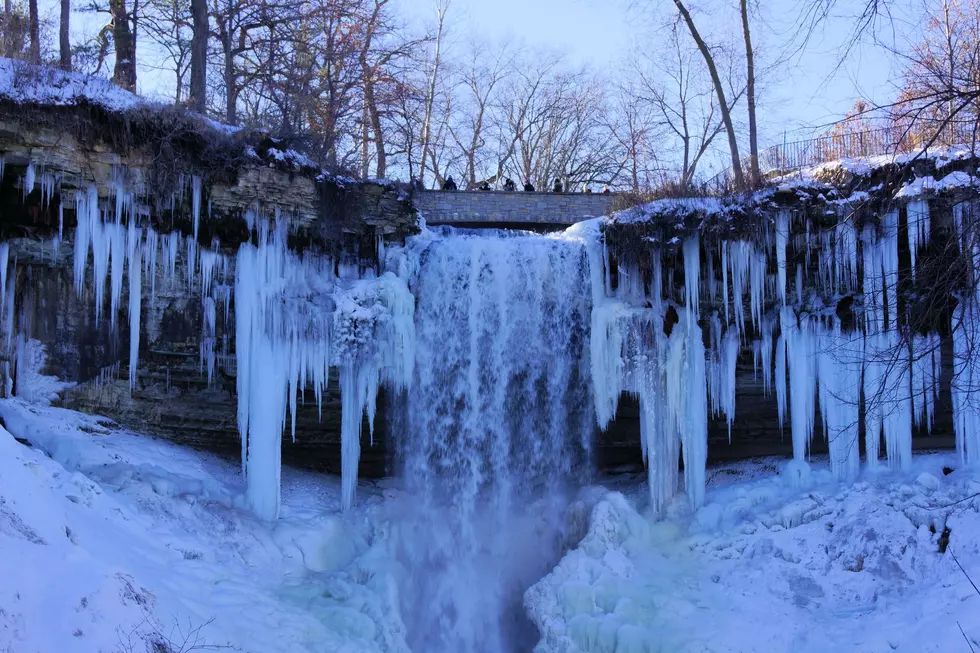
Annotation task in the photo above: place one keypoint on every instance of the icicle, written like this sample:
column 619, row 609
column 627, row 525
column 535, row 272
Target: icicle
column 694, row 432
column 4, row 262
column 966, row 377
column 917, row 213
column 925, row 379
column 133, row 246
column 781, row 379
column 119, row 253
column 196, row 203
column 86, row 203
column 191, row 261
column 801, row 356
column 170, row 270
column 757, row 284
column 724, row 278
column 840, row 363
column 28, row 185
column 889, row 261
column 152, row 247
column 692, row 279
column 782, row 239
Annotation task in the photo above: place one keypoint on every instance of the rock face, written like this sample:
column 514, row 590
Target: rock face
column 157, row 154
column 67, row 149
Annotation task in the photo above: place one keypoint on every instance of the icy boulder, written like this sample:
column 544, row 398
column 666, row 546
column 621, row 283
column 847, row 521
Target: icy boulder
column 583, row 604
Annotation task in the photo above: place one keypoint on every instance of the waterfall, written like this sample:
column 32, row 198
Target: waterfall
column 499, row 421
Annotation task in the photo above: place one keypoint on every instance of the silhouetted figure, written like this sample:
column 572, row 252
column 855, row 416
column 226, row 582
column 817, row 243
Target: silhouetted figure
column 605, row 189
column 485, row 186
column 449, row 184
column 509, row 185
column 528, row 186
column 557, row 188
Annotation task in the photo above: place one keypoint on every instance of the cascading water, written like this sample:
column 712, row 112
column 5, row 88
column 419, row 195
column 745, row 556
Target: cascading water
column 499, row 420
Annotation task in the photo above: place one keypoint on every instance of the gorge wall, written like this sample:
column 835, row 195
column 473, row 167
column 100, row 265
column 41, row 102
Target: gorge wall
column 169, row 166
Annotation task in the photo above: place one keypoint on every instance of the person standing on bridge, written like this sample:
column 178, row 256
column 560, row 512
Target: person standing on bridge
column 557, row 187
column 528, row 186
column 449, row 184
column 509, row 185
column 605, row 189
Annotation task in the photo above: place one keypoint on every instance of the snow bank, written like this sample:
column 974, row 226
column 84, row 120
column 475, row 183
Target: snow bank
column 111, row 539
column 760, row 564
column 26, row 83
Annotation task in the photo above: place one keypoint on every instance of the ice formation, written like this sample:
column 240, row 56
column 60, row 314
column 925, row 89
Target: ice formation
column 498, row 417
column 293, row 321
column 514, row 326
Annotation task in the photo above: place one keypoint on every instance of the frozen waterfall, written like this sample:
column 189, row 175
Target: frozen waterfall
column 498, row 422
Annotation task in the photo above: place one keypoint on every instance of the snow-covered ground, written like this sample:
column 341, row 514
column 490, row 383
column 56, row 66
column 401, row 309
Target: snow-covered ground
column 764, row 566
column 109, row 539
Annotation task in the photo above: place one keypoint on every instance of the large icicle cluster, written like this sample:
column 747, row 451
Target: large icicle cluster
column 966, row 330
column 813, row 362
column 630, row 352
column 294, row 319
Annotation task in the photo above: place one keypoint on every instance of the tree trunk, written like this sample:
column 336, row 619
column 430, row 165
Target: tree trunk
column 430, row 97
column 726, row 115
column 64, row 44
column 231, row 88
column 754, row 174
column 8, row 16
column 124, row 73
column 34, row 54
column 379, row 137
column 199, row 55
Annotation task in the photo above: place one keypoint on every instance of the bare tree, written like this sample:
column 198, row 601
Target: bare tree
column 442, row 8
column 723, row 105
column 677, row 88
column 34, row 55
column 199, row 55
column 754, row 175
column 637, row 133
column 64, row 44
column 124, row 41
column 472, row 128
column 165, row 22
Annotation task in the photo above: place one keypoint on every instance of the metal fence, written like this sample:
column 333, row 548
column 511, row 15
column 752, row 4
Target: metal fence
column 790, row 156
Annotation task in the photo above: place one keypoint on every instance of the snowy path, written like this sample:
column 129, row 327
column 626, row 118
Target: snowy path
column 117, row 537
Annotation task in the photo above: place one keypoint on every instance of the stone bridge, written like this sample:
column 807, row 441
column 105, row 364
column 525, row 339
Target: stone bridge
column 541, row 211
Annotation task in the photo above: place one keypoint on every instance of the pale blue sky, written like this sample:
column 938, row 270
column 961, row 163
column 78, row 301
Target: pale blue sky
column 797, row 99
column 800, row 97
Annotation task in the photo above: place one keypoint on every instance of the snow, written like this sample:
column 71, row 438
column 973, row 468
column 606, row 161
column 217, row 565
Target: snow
column 25, row 83
column 680, row 208
column 111, row 539
column 766, row 566
column 141, row 534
